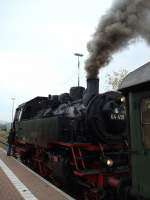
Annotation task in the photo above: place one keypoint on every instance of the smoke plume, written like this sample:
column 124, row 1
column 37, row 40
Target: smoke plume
column 126, row 21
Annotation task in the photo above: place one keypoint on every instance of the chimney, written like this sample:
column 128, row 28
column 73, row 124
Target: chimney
column 92, row 90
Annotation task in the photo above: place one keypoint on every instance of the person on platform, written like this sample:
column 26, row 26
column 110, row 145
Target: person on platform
column 11, row 141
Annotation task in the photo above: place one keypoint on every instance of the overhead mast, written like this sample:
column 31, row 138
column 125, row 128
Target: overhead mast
column 78, row 55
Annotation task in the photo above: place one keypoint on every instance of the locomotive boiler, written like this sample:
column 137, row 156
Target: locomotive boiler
column 77, row 139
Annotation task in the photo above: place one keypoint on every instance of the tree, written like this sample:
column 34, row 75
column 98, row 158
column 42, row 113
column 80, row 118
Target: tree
column 115, row 79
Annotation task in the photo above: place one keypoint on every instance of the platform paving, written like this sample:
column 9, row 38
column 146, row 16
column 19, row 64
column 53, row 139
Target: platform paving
column 26, row 181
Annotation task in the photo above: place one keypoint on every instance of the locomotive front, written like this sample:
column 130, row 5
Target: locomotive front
column 106, row 114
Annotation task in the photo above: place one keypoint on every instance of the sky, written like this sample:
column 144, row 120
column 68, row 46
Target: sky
column 38, row 39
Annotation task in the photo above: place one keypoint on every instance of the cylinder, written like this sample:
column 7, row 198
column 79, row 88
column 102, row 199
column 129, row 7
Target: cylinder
column 113, row 182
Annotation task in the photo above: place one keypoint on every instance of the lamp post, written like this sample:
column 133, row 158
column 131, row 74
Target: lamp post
column 78, row 55
column 13, row 103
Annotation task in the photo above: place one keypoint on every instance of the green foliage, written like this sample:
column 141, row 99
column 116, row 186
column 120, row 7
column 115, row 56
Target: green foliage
column 115, row 79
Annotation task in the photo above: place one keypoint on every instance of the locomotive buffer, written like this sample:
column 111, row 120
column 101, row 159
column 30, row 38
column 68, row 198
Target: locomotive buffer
column 19, row 182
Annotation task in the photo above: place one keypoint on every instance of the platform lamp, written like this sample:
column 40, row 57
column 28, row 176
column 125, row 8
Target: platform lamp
column 78, row 55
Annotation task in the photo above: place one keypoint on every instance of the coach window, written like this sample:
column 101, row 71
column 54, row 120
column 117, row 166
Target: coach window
column 146, row 122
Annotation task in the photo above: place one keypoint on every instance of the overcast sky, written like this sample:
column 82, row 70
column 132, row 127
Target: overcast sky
column 38, row 39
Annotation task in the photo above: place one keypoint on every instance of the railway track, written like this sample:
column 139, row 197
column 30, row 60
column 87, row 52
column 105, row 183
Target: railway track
column 3, row 144
column 3, row 139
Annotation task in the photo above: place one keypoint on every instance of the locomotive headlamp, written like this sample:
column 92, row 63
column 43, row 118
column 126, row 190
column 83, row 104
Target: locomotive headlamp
column 123, row 99
column 109, row 163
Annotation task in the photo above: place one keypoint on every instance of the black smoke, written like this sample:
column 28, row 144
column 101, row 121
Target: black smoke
column 126, row 21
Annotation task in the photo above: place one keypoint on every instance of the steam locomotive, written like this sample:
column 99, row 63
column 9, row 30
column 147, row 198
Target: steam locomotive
column 78, row 140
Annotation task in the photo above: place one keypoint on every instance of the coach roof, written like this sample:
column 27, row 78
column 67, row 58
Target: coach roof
column 139, row 76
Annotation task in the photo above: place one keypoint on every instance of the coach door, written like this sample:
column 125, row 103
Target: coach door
column 139, row 113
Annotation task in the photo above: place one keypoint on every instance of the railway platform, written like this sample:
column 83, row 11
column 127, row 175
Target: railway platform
column 17, row 182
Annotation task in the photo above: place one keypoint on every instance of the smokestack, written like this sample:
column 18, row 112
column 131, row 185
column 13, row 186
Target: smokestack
column 93, row 86
column 92, row 90
column 126, row 21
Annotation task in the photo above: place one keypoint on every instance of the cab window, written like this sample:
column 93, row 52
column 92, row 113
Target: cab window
column 145, row 109
column 18, row 114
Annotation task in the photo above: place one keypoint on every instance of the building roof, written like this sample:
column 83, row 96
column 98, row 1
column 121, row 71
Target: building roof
column 139, row 76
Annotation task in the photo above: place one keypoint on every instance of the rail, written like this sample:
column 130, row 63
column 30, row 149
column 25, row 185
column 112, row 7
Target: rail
column 5, row 145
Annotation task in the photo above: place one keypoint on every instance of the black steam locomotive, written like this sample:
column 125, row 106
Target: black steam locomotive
column 76, row 139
